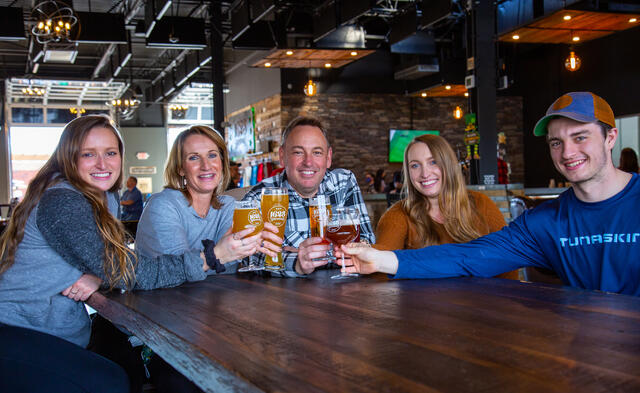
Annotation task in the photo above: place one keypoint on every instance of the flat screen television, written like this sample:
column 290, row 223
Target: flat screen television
column 399, row 139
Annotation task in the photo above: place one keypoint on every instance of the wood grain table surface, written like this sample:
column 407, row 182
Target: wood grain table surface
column 247, row 333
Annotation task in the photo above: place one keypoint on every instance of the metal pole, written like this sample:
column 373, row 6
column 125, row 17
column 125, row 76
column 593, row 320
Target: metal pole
column 217, row 64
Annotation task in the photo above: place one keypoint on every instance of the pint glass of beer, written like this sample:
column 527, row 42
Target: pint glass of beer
column 274, row 206
column 319, row 213
column 245, row 215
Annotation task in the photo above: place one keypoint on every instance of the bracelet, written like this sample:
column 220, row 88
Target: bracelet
column 210, row 256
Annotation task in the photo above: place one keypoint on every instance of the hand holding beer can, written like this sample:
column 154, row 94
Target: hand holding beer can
column 275, row 205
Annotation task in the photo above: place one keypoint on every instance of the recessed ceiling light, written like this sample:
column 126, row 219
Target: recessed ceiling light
column 423, row 94
column 267, row 64
column 448, row 87
column 354, row 53
column 576, row 38
column 289, row 52
column 327, row 65
column 567, row 17
column 633, row 20
column 466, row 94
column 515, row 37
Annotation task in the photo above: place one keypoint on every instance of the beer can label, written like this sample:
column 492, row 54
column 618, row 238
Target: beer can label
column 278, row 215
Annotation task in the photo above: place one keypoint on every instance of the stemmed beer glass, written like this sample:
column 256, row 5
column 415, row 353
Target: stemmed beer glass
column 343, row 227
column 319, row 213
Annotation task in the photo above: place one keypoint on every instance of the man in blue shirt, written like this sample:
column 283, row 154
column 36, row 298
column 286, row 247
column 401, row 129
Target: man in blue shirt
column 589, row 235
column 131, row 201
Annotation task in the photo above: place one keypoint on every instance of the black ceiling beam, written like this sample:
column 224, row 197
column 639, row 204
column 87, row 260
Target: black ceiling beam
column 11, row 24
column 154, row 10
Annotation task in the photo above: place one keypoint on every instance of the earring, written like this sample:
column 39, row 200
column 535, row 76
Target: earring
column 184, row 182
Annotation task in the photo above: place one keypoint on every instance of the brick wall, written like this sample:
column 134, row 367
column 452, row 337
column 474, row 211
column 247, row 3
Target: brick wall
column 358, row 125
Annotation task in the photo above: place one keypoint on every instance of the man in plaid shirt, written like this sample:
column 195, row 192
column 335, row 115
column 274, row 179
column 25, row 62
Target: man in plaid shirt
column 306, row 156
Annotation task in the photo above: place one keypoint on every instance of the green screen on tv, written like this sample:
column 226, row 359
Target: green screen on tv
column 399, row 139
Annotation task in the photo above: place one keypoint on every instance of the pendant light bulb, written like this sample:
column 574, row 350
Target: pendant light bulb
column 310, row 88
column 457, row 113
column 572, row 62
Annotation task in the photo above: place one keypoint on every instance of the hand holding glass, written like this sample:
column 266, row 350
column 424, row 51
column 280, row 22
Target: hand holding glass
column 342, row 228
column 247, row 214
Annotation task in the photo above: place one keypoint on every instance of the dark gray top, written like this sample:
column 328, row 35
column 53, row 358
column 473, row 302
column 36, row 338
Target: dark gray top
column 61, row 242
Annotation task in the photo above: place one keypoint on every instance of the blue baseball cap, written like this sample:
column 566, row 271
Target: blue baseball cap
column 582, row 106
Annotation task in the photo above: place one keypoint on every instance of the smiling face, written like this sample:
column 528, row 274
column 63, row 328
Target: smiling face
column 201, row 165
column 424, row 172
column 99, row 161
column 579, row 151
column 306, row 157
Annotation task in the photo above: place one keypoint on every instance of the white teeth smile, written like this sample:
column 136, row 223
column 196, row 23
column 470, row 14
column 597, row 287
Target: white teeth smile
column 574, row 164
column 308, row 173
column 107, row 174
column 428, row 183
column 207, row 176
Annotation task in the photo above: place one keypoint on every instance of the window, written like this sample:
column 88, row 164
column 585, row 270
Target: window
column 31, row 147
column 27, row 115
column 59, row 116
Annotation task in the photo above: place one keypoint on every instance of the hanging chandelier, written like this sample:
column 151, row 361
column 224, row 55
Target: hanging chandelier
column 34, row 91
column 54, row 21
column 178, row 111
column 125, row 107
column 77, row 110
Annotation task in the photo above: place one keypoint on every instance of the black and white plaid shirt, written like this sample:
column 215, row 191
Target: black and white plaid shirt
column 339, row 185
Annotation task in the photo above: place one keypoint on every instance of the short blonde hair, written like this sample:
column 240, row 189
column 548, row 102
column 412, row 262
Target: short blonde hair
column 172, row 170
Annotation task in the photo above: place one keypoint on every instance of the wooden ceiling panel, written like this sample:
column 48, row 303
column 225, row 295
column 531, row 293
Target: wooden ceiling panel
column 442, row 91
column 555, row 29
column 311, row 58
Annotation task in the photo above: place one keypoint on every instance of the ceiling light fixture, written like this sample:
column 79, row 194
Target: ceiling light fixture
column 54, row 21
column 633, row 20
column 567, row 17
column 267, row 64
column 572, row 62
column 178, row 111
column 354, row 53
column 33, row 91
column 310, row 89
column 575, row 38
column 74, row 110
column 289, row 52
column 424, row 94
column 327, row 65
column 466, row 94
column 448, row 87
column 515, row 37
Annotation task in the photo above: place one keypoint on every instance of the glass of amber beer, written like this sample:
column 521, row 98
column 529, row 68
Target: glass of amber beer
column 319, row 213
column 247, row 214
column 343, row 227
column 274, row 206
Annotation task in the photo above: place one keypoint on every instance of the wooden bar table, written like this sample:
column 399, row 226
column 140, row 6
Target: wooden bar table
column 247, row 333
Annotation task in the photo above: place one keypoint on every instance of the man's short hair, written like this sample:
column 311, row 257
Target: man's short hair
column 135, row 179
column 303, row 121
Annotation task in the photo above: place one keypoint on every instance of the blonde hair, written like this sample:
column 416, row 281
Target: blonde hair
column 174, row 166
column 461, row 221
column 119, row 261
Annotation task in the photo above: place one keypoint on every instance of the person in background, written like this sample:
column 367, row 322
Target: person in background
column 306, row 156
column 394, row 189
column 438, row 208
column 131, row 201
column 628, row 160
column 379, row 184
column 589, row 235
column 235, row 175
column 368, row 183
column 62, row 244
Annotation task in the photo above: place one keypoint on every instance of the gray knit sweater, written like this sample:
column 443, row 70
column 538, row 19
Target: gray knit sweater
column 61, row 242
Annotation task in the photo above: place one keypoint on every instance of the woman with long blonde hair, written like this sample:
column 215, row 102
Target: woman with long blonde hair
column 62, row 242
column 438, row 208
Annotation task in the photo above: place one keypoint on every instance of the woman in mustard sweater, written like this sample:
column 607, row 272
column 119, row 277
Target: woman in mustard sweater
column 438, row 208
